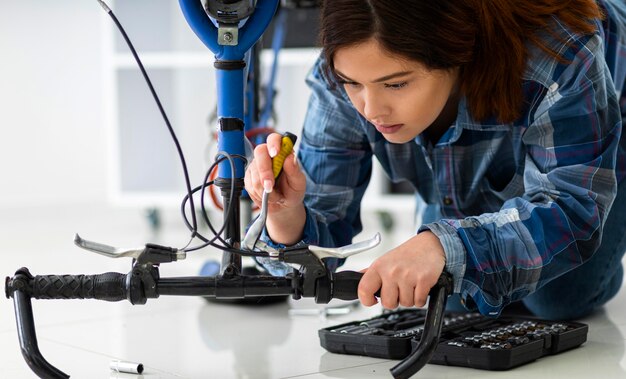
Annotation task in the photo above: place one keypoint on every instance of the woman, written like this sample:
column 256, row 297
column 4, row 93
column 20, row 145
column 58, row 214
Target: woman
column 505, row 117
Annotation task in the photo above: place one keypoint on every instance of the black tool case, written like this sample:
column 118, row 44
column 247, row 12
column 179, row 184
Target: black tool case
column 467, row 339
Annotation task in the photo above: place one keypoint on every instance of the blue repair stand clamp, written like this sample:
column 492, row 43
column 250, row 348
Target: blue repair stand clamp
column 230, row 41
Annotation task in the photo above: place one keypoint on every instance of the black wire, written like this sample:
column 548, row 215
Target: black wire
column 196, row 234
column 201, row 188
column 211, row 242
column 193, row 227
column 158, row 102
column 229, row 210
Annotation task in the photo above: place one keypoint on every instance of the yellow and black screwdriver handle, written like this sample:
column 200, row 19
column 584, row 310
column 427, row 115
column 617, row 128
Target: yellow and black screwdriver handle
column 286, row 147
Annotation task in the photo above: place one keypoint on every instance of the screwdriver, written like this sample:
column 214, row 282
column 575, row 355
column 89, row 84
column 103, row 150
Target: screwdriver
column 286, row 147
column 254, row 232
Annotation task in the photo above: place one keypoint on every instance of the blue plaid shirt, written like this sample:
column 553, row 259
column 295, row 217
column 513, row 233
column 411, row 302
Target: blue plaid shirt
column 523, row 202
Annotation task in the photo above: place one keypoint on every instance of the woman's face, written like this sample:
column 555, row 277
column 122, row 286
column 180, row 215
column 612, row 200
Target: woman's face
column 401, row 98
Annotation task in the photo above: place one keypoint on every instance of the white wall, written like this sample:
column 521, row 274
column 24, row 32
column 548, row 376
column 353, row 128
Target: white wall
column 52, row 146
column 55, row 147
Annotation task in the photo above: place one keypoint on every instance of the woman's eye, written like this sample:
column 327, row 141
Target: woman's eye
column 396, row 85
column 347, row 83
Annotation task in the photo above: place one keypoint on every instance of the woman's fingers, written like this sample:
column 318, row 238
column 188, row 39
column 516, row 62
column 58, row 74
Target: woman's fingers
column 263, row 155
column 420, row 297
column 253, row 184
column 370, row 283
column 294, row 178
column 392, row 293
column 407, row 295
column 263, row 163
column 406, row 273
column 389, row 295
column 274, row 142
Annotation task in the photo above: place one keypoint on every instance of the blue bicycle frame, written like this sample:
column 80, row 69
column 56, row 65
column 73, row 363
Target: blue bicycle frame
column 230, row 81
column 231, row 73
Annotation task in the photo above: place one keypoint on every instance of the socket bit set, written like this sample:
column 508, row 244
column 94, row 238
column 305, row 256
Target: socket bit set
column 467, row 339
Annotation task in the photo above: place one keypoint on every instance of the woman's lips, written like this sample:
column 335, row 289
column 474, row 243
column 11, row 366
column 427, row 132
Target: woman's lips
column 388, row 129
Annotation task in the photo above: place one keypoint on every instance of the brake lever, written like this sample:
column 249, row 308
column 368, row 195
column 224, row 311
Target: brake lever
column 345, row 251
column 106, row 250
column 149, row 254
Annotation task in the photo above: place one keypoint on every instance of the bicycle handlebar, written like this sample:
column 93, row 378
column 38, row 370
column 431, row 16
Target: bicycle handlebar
column 110, row 286
column 113, row 286
column 143, row 282
column 346, row 284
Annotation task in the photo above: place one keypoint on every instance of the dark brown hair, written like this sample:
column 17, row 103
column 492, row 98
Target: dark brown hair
column 486, row 39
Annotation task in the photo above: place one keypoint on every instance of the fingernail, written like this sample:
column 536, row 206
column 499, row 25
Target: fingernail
column 267, row 185
column 273, row 152
column 295, row 160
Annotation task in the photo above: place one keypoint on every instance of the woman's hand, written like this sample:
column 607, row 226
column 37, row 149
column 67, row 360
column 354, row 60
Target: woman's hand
column 405, row 274
column 286, row 215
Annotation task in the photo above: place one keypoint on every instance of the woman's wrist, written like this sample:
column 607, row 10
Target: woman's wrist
column 286, row 227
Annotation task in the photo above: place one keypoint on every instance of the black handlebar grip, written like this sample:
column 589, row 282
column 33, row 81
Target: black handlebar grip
column 110, row 286
column 346, row 284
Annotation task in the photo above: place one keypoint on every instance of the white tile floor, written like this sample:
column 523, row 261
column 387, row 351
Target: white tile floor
column 188, row 338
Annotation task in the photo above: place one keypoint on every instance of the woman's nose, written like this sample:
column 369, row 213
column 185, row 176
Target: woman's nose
column 374, row 108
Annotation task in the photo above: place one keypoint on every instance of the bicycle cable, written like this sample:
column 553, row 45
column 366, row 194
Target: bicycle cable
column 193, row 226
